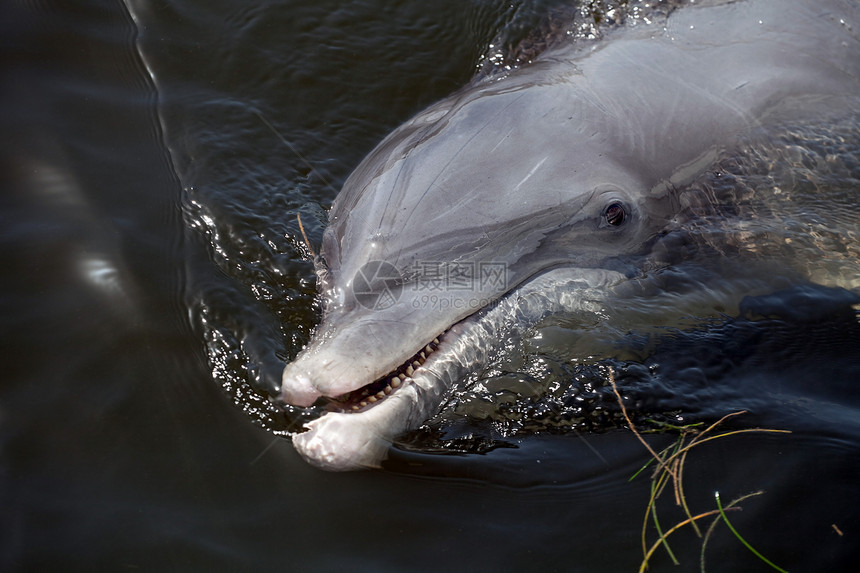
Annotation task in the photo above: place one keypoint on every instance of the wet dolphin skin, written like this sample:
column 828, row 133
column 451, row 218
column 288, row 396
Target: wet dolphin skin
column 516, row 192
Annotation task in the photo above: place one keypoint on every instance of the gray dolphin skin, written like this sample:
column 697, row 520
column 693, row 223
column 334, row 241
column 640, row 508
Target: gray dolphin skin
column 520, row 191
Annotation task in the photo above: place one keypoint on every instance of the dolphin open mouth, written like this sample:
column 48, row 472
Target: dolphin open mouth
column 358, row 426
column 368, row 396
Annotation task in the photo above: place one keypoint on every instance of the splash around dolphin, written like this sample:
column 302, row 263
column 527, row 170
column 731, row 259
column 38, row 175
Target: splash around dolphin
column 516, row 197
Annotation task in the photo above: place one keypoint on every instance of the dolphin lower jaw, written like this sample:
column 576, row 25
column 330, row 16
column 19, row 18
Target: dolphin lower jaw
column 348, row 440
column 357, row 431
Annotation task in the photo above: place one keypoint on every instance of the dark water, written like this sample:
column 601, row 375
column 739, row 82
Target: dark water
column 154, row 276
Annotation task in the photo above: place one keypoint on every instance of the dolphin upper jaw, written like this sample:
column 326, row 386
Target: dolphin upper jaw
column 298, row 389
column 354, row 348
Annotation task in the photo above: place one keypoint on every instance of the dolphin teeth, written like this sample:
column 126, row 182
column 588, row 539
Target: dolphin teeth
column 368, row 395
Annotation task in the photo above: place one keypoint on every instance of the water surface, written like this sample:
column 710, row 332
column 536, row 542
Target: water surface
column 155, row 158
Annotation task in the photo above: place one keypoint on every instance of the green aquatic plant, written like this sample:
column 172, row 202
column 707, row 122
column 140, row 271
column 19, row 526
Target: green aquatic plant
column 669, row 471
column 741, row 539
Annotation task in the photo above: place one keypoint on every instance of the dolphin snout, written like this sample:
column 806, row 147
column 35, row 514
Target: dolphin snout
column 298, row 390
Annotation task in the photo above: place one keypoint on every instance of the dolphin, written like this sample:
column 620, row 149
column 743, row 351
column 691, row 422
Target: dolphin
column 530, row 194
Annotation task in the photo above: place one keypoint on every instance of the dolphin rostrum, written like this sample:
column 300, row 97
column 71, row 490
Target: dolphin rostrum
column 510, row 199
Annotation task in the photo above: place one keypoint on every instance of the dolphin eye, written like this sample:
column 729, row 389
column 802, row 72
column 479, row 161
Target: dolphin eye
column 615, row 214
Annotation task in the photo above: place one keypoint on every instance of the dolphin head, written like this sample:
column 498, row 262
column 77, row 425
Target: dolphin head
column 470, row 199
